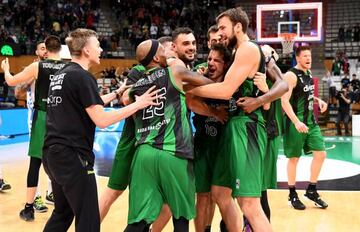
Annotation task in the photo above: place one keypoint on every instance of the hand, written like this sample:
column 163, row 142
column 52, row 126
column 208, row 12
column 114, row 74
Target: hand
column 260, row 82
column 122, row 88
column 147, row 98
column 323, row 106
column 202, row 70
column 248, row 104
column 301, row 127
column 220, row 114
column 5, row 65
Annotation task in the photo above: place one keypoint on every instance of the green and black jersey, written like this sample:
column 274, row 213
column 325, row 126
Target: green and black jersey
column 208, row 128
column 248, row 89
column 167, row 125
column 274, row 117
column 302, row 98
column 135, row 74
column 47, row 69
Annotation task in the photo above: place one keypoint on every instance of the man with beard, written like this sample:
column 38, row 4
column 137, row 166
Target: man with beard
column 301, row 130
column 184, row 45
column 39, row 72
column 239, row 168
column 164, row 144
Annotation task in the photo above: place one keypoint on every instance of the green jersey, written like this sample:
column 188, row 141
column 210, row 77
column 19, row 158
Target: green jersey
column 47, row 69
column 248, row 89
column 274, row 117
column 302, row 97
column 167, row 125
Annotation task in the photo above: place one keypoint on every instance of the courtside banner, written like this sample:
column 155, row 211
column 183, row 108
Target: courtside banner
column 14, row 121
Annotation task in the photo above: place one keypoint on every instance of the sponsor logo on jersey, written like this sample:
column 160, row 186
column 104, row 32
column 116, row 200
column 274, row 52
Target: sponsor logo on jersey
column 308, row 88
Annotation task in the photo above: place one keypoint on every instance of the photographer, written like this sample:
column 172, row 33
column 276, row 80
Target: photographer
column 343, row 110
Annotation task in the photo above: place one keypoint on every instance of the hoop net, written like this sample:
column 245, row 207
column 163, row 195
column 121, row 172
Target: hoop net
column 287, row 42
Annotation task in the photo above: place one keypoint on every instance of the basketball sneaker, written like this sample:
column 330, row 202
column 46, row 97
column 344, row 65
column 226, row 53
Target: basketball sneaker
column 39, row 205
column 27, row 214
column 295, row 202
column 315, row 197
column 4, row 186
column 49, row 199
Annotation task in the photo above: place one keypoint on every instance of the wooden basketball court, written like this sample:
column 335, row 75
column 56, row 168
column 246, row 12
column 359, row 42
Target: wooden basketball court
column 343, row 213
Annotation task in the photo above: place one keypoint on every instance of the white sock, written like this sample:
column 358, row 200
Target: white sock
column 49, row 190
column 38, row 192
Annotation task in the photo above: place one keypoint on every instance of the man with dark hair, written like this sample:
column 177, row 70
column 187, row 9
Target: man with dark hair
column 184, row 45
column 301, row 130
column 74, row 109
column 209, row 117
column 164, row 144
column 41, row 72
column 233, row 176
column 344, row 99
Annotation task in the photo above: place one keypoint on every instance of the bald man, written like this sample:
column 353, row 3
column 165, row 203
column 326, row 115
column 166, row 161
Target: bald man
column 162, row 167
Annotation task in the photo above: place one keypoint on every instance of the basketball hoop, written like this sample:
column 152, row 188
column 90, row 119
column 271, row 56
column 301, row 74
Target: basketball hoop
column 287, row 42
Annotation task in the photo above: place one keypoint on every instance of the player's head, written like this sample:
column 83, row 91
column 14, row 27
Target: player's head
column 184, row 44
column 150, row 53
column 53, row 44
column 41, row 51
column 213, row 35
column 354, row 76
column 166, row 42
column 303, row 57
column 84, row 43
column 219, row 60
column 231, row 23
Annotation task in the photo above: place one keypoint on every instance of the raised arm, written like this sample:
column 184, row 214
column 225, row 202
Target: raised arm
column 27, row 75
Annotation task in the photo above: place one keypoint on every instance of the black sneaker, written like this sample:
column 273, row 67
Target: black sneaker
column 27, row 214
column 295, row 202
column 315, row 197
column 4, row 186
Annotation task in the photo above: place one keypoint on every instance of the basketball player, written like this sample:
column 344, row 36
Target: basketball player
column 164, row 142
column 74, row 109
column 301, row 129
column 29, row 88
column 40, row 72
column 236, row 174
column 208, row 120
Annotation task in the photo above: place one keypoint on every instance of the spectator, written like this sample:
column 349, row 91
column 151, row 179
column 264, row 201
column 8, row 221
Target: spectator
column 343, row 111
column 345, row 82
column 348, row 36
column 341, row 33
column 336, row 67
column 153, row 31
column 355, row 84
column 332, row 88
column 357, row 33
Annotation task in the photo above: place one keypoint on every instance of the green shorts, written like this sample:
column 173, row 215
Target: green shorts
column 271, row 155
column 159, row 177
column 295, row 142
column 125, row 150
column 205, row 152
column 239, row 164
column 37, row 136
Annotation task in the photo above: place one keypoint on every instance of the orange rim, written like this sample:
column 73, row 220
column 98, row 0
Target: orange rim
column 287, row 36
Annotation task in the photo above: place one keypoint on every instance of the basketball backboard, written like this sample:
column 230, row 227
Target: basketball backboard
column 304, row 19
